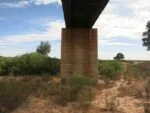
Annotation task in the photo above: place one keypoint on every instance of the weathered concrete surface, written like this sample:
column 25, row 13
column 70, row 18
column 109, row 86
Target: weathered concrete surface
column 79, row 52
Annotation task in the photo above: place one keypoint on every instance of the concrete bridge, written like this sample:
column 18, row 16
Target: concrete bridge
column 79, row 40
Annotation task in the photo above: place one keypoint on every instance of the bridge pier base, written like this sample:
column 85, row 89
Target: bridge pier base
column 79, row 52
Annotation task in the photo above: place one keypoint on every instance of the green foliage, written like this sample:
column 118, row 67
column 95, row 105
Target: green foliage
column 119, row 56
column 73, row 88
column 29, row 64
column 110, row 69
column 76, row 82
column 85, row 97
column 55, row 66
column 146, row 36
column 44, row 48
column 14, row 91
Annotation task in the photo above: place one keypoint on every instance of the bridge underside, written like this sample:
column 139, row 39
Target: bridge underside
column 79, row 40
column 82, row 13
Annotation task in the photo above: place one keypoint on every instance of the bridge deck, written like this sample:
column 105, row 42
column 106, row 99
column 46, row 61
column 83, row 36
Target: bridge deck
column 82, row 13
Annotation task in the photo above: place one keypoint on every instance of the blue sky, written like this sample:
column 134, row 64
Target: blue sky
column 24, row 23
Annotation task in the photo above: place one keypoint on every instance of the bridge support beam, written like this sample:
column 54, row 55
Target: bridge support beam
column 79, row 52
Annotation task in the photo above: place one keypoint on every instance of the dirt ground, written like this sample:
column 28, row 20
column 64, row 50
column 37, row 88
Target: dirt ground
column 110, row 97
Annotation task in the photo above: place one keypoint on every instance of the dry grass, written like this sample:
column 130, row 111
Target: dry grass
column 138, row 71
column 76, row 91
column 111, row 104
column 14, row 91
column 12, row 94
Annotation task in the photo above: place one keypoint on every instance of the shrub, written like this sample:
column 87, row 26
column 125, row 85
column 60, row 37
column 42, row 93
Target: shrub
column 85, row 97
column 29, row 64
column 13, row 94
column 76, row 82
column 15, row 90
column 35, row 63
column 111, row 104
column 5, row 65
column 54, row 66
column 73, row 88
column 109, row 69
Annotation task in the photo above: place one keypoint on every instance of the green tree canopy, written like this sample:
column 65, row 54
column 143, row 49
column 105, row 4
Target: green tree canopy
column 146, row 36
column 44, row 48
column 119, row 56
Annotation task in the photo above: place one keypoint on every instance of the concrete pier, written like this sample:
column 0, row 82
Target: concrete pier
column 79, row 40
column 79, row 52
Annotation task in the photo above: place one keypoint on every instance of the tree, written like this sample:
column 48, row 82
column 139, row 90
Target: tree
column 44, row 48
column 146, row 36
column 119, row 56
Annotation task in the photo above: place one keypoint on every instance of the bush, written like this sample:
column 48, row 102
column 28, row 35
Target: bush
column 73, row 88
column 85, row 97
column 76, row 82
column 5, row 64
column 111, row 104
column 13, row 94
column 29, row 64
column 54, row 66
column 110, row 69
column 15, row 90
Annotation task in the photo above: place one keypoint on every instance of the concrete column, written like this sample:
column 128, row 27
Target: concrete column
column 79, row 52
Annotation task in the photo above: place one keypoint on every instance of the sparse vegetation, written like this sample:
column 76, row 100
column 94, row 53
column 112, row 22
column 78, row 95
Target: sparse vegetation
column 74, row 88
column 85, row 97
column 77, row 90
column 111, row 104
column 13, row 92
column 110, row 70
column 137, row 70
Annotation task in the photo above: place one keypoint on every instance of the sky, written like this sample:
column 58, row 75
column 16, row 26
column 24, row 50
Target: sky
column 25, row 23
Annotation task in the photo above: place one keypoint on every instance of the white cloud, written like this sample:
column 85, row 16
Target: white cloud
column 12, row 52
column 52, row 33
column 45, row 2
column 25, row 3
column 121, row 18
column 116, row 23
column 140, row 55
column 20, row 4
column 110, row 42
